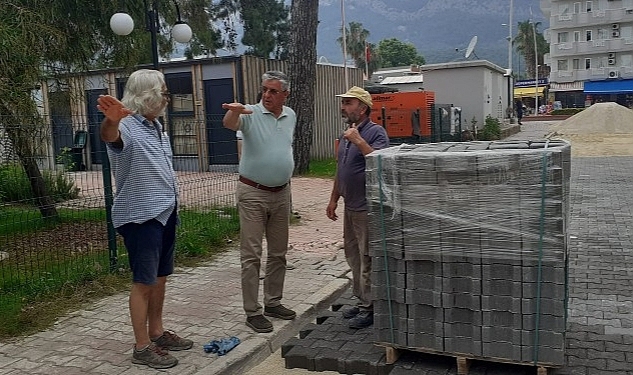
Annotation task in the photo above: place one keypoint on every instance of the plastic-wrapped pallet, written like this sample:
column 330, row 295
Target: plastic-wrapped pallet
column 469, row 247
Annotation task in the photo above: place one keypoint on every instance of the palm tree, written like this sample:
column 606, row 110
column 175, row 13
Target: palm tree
column 524, row 42
column 374, row 59
column 355, row 39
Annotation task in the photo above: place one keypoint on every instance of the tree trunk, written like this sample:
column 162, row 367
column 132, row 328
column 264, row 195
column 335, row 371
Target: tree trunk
column 23, row 146
column 302, row 74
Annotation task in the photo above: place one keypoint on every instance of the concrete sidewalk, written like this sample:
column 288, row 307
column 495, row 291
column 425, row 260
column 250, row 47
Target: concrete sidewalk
column 202, row 303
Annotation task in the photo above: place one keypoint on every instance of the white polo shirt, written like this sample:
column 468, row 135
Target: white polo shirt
column 267, row 145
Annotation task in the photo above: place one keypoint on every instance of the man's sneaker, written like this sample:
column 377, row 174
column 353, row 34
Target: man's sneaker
column 171, row 341
column 259, row 324
column 362, row 320
column 350, row 312
column 154, row 357
column 280, row 312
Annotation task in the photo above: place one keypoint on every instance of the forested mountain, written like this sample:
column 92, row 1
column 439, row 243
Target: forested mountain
column 440, row 29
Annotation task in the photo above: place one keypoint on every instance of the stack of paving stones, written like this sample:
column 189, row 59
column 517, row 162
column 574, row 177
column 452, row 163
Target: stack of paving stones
column 330, row 345
column 469, row 248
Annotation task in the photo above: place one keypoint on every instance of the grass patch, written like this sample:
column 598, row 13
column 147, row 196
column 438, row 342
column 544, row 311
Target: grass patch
column 23, row 219
column 24, row 315
column 202, row 235
column 15, row 185
column 71, row 267
column 325, row 168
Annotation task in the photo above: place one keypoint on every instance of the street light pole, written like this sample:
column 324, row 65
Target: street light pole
column 535, row 70
column 344, row 45
column 122, row 24
column 510, row 86
column 151, row 19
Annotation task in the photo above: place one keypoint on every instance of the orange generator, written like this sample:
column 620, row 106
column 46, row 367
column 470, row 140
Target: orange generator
column 407, row 116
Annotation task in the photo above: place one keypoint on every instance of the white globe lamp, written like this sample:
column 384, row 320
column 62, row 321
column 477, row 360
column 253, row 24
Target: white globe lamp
column 181, row 32
column 121, row 23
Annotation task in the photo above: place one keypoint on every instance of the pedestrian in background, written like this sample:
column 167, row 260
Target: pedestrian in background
column 263, row 196
column 519, row 109
column 144, row 212
column 239, row 137
column 361, row 138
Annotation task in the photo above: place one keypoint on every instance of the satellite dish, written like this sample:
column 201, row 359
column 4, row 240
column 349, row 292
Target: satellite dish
column 471, row 47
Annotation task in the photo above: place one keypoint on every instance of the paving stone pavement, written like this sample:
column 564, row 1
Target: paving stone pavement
column 599, row 338
column 202, row 303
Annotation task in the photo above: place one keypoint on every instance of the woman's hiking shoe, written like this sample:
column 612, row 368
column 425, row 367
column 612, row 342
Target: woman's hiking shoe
column 259, row 324
column 154, row 357
column 280, row 312
column 171, row 341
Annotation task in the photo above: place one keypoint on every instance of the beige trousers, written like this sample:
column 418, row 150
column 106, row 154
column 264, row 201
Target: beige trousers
column 356, row 245
column 262, row 212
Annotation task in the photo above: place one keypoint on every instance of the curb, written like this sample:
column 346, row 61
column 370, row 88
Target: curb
column 252, row 352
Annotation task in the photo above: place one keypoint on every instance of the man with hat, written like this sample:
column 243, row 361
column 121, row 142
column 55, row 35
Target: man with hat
column 360, row 138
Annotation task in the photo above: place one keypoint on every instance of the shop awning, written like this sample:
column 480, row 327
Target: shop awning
column 526, row 92
column 566, row 86
column 615, row 86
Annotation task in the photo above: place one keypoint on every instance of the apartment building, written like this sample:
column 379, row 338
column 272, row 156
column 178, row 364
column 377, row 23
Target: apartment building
column 591, row 51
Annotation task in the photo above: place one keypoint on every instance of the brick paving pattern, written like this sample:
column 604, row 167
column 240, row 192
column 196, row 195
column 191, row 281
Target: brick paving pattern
column 204, row 303
column 600, row 313
column 600, row 321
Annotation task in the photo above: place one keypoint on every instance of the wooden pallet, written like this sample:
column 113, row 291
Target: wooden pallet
column 392, row 353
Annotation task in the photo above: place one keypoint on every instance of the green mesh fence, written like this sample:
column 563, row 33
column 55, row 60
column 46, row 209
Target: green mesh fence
column 54, row 193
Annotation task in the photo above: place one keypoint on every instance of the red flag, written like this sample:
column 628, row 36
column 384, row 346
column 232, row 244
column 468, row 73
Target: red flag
column 367, row 53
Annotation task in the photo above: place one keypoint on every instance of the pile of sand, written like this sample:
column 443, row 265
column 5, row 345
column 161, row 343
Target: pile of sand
column 604, row 129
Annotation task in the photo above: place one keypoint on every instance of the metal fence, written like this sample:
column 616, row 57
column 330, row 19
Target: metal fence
column 73, row 179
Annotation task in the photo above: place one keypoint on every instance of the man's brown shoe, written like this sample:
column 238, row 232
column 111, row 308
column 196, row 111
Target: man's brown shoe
column 259, row 324
column 280, row 312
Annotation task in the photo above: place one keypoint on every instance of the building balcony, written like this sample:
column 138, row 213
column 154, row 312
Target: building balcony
column 565, row 49
column 595, row 74
column 563, row 76
column 580, row 49
column 600, row 17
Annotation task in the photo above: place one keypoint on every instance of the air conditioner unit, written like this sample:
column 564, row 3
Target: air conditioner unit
column 614, row 73
column 615, row 26
column 611, row 55
column 615, row 33
column 611, row 61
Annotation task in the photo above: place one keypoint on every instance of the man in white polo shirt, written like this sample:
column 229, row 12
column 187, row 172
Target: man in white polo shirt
column 263, row 196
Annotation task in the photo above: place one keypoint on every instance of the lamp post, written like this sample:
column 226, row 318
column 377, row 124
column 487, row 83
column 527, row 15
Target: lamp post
column 344, row 45
column 535, row 69
column 509, row 71
column 122, row 24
